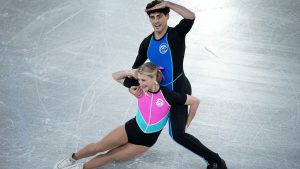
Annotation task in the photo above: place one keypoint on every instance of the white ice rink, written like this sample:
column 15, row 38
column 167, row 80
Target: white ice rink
column 57, row 93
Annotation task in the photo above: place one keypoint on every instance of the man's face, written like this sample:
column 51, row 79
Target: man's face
column 159, row 21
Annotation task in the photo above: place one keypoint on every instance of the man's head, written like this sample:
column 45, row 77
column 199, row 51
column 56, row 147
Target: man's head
column 158, row 17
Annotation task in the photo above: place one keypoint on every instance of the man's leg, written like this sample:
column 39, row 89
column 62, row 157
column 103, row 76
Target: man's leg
column 177, row 124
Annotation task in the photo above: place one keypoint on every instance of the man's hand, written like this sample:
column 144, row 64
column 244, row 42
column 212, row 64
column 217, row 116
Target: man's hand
column 181, row 10
column 136, row 91
column 158, row 6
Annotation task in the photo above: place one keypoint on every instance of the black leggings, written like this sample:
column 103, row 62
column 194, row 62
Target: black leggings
column 177, row 122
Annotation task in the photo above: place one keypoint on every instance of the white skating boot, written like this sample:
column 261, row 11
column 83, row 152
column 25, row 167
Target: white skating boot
column 68, row 161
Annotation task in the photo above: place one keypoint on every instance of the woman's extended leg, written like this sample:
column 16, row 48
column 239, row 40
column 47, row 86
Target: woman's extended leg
column 114, row 139
column 119, row 153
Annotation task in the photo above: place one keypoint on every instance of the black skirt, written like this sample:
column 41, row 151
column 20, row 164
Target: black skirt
column 137, row 136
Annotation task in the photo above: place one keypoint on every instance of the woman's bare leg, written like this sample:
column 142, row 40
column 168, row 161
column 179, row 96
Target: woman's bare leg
column 114, row 139
column 120, row 153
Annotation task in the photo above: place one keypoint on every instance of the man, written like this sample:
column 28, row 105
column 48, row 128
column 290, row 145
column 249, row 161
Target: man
column 165, row 47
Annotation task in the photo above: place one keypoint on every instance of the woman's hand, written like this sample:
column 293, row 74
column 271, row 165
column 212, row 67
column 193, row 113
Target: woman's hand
column 136, row 91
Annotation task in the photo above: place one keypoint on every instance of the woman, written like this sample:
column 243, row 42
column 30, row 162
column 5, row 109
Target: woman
column 141, row 132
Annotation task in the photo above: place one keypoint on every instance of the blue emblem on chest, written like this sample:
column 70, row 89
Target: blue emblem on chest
column 163, row 48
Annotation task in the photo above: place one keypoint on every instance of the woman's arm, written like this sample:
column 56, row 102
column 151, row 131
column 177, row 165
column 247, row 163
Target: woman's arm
column 120, row 76
column 193, row 102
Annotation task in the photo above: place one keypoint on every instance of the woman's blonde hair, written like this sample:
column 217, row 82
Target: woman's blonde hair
column 150, row 70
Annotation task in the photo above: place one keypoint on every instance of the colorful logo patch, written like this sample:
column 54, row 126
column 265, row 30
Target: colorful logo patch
column 163, row 48
column 159, row 103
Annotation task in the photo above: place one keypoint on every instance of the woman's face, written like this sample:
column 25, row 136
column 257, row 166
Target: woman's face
column 146, row 82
